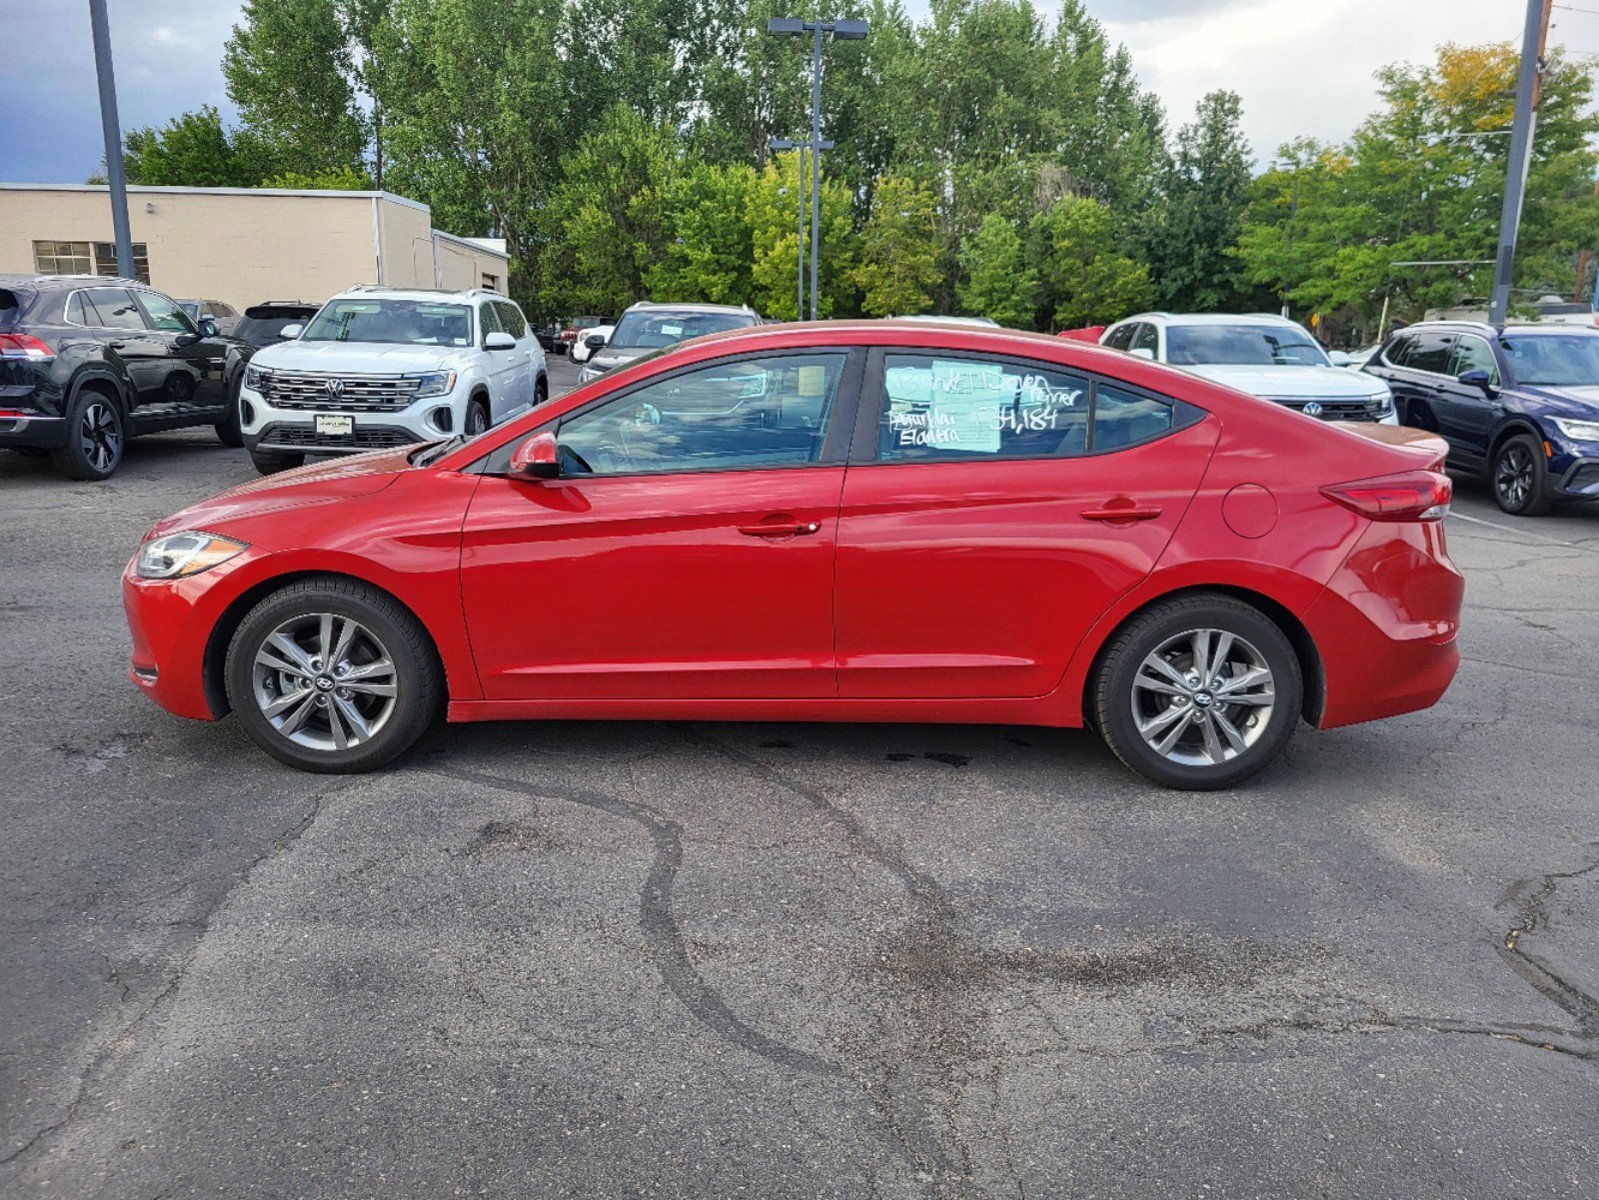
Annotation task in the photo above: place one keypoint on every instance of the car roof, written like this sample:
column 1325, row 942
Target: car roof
column 742, row 310
column 63, row 281
column 1166, row 318
column 1519, row 328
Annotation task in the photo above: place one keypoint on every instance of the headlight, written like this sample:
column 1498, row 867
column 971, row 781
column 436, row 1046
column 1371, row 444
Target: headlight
column 256, row 378
column 439, row 383
column 1577, row 431
column 181, row 554
column 1381, row 402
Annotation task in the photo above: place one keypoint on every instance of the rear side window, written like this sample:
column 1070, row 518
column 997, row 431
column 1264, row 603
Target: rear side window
column 1430, row 351
column 511, row 319
column 111, row 308
column 936, row 408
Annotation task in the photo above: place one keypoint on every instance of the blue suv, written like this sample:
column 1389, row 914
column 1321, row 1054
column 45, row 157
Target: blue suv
column 1518, row 405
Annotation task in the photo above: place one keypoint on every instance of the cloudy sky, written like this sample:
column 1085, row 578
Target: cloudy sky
column 1301, row 67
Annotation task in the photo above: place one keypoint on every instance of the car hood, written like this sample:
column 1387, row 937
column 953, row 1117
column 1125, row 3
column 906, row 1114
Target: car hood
column 356, row 357
column 1292, row 383
column 608, row 359
column 1581, row 402
column 321, row 483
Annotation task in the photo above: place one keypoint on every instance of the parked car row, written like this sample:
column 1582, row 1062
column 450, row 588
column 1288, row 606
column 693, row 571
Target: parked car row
column 87, row 362
column 1517, row 405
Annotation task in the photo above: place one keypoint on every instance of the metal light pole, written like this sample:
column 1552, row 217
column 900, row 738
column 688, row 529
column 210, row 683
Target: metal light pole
column 847, row 31
column 1527, row 96
column 114, row 173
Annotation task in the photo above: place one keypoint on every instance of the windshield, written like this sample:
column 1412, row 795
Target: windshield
column 259, row 330
column 1253, row 345
column 655, row 329
column 1554, row 360
column 192, row 307
column 402, row 322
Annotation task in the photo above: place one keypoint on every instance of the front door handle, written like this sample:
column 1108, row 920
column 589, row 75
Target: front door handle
column 784, row 529
column 1121, row 510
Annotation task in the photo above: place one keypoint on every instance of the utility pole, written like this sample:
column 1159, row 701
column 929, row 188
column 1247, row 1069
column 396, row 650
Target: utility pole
column 115, row 175
column 1528, row 93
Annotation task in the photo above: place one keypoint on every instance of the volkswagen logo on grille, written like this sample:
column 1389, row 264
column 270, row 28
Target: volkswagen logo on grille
column 336, row 389
column 1313, row 409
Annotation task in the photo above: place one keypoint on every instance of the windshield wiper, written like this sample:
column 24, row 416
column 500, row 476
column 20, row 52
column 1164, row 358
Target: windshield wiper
column 431, row 454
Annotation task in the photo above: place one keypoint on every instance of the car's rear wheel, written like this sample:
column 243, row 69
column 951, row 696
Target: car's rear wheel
column 1199, row 692
column 93, row 449
column 541, row 392
column 271, row 464
column 333, row 676
column 1520, row 477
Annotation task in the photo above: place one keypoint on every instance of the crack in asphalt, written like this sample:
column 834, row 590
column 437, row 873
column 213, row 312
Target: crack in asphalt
column 97, row 1070
column 1532, row 899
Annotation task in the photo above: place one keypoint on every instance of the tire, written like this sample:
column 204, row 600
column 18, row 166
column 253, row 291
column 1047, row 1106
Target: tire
column 1519, row 477
column 541, row 392
column 95, row 438
column 228, row 431
column 477, row 417
column 1139, row 707
column 271, row 464
column 281, row 651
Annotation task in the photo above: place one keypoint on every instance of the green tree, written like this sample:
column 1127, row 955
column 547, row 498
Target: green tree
column 1194, row 232
column 999, row 282
column 192, row 150
column 289, row 68
column 611, row 208
column 1086, row 278
column 710, row 245
column 339, row 179
column 774, row 232
column 898, row 258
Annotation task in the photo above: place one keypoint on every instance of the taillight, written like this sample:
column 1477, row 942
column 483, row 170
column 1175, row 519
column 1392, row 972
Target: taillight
column 1407, row 496
column 21, row 345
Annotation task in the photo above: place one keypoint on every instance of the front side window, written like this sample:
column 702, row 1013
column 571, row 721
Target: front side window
column 1146, row 337
column 111, row 308
column 165, row 315
column 511, row 319
column 726, row 416
column 1121, row 338
column 1243, row 345
column 654, row 328
column 936, row 408
column 487, row 321
column 1474, row 354
column 392, row 322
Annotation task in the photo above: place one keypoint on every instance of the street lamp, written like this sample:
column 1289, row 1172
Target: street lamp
column 779, row 145
column 847, row 31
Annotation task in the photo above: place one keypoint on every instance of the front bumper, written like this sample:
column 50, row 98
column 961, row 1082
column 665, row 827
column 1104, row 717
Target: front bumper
column 171, row 622
column 1577, row 479
column 270, row 429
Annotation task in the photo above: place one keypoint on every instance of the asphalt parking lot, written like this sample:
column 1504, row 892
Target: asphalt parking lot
column 785, row 960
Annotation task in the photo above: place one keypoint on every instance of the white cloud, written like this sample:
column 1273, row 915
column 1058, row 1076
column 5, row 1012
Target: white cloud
column 1301, row 68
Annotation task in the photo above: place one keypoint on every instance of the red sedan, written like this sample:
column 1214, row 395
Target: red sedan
column 841, row 522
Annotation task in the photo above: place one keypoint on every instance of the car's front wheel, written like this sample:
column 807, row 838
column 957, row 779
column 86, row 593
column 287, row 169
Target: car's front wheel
column 1520, row 477
column 333, row 676
column 228, row 428
column 1199, row 692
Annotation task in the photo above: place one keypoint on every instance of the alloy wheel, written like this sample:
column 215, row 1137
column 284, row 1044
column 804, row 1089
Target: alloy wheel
column 1513, row 478
column 324, row 681
column 99, row 436
column 1203, row 697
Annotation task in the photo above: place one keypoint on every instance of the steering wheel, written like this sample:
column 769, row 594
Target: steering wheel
column 647, row 414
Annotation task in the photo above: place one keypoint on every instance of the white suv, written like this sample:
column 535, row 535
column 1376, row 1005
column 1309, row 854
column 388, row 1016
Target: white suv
column 1262, row 354
column 380, row 367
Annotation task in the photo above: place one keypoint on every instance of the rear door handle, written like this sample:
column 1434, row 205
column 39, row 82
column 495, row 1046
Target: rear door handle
column 1126, row 510
column 783, row 530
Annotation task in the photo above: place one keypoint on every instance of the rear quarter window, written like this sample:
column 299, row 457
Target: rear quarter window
column 10, row 308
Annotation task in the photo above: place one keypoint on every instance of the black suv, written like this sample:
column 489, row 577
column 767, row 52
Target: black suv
column 87, row 362
column 1518, row 404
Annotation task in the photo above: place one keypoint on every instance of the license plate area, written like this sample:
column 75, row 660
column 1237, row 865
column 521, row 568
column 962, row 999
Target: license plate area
column 334, row 425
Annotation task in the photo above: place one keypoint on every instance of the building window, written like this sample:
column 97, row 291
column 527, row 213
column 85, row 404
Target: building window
column 87, row 258
column 491, row 282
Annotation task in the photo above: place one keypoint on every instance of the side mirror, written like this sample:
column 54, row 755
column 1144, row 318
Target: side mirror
column 595, row 341
column 537, row 458
column 499, row 340
column 208, row 327
column 1476, row 377
column 1143, row 352
column 289, row 332
column 1339, row 358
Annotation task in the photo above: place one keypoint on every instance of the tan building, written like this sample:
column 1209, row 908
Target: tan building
column 243, row 245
